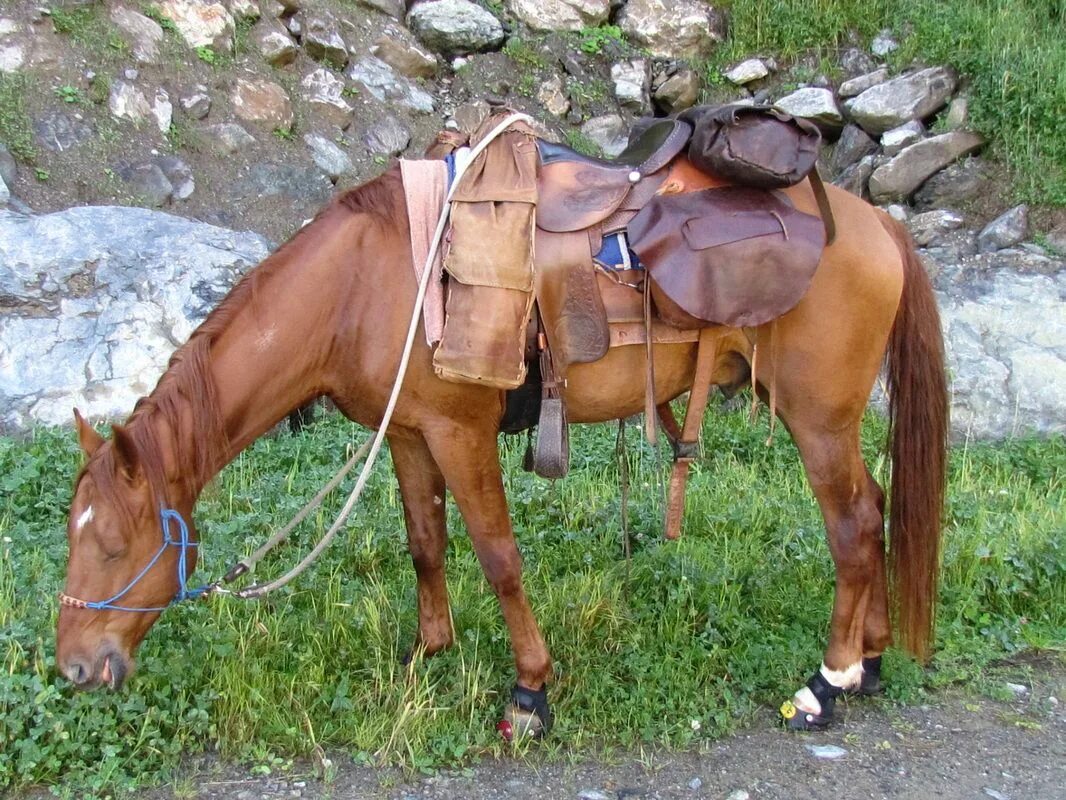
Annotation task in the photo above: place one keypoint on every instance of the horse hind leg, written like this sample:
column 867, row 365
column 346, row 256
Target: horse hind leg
column 422, row 493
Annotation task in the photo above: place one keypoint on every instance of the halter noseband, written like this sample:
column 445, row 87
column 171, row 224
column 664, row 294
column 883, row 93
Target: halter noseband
column 184, row 592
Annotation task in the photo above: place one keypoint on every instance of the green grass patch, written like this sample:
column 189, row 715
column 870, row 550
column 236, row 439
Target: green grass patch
column 730, row 619
column 16, row 128
column 1011, row 52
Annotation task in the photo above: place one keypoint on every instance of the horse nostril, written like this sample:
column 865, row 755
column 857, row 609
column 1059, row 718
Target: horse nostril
column 77, row 672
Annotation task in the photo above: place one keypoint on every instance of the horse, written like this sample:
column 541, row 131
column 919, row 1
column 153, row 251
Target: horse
column 325, row 315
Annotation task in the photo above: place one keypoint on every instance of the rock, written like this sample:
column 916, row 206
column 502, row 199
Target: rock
column 146, row 280
column 263, row 102
column 957, row 183
column 678, row 92
column 913, row 96
column 196, row 105
column 1056, row 238
column 179, row 174
column 5, row 193
column 817, row 105
column 852, row 145
column 898, row 179
column 469, row 116
column 609, row 133
column 58, row 132
column 147, row 183
column 893, row 141
column 393, row 8
column 388, row 136
column 995, row 795
column 855, row 178
column 958, row 114
column 930, row 227
column 898, row 212
column 243, row 9
column 883, row 44
column 382, row 81
column 405, row 56
column 8, row 167
column 295, row 26
column 631, row 80
column 322, row 40
column 324, row 91
column 12, row 56
column 1018, row 690
column 128, row 102
column 695, row 784
column 200, row 23
column 672, row 28
column 747, row 71
column 162, row 110
column 454, row 27
column 856, row 86
column 592, row 794
column 827, row 751
column 560, row 15
column 142, row 34
column 328, row 156
column 738, row 794
column 551, row 96
column 228, row 137
column 292, row 181
column 276, row 45
column 1007, row 229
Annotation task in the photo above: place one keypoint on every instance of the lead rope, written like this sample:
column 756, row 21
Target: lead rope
column 258, row 590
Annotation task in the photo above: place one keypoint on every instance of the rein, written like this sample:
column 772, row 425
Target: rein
column 245, row 565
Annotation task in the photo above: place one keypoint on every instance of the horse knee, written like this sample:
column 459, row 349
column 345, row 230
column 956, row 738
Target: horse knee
column 857, row 540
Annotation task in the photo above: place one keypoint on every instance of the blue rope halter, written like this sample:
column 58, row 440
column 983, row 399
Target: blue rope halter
column 166, row 515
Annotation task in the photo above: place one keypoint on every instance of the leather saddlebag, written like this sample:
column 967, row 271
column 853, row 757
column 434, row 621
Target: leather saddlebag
column 731, row 256
column 757, row 146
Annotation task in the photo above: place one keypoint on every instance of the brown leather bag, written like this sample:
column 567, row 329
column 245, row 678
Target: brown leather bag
column 731, row 256
column 758, row 146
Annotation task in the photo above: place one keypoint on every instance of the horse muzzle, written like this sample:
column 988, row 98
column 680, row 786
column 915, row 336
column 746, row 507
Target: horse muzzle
column 110, row 668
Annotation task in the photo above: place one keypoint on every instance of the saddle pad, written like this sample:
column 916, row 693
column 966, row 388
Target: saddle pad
column 732, row 256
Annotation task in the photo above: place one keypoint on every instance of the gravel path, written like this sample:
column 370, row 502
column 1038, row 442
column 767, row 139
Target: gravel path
column 955, row 747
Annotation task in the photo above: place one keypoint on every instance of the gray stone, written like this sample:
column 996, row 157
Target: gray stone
column 695, row 784
column 553, row 98
column 454, row 27
column 560, row 15
column 1006, row 230
column 592, row 794
column 5, row 193
column 898, row 212
column 228, row 137
column 855, row 178
column 196, row 105
column 678, row 92
column 672, row 28
column 893, row 141
column 826, row 751
column 957, row 183
column 147, row 183
column 883, row 44
column 929, row 228
column 246, row 10
column 179, row 174
column 322, row 40
column 817, row 105
column 913, row 96
column 291, row 181
column 469, row 116
column 738, row 794
column 608, row 132
column 151, row 278
column 262, row 102
column 854, row 62
column 393, row 8
column 899, row 178
column 747, row 71
column 8, row 167
column 324, row 92
column 388, row 136
column 57, row 131
column 328, row 156
column 958, row 114
column 128, row 102
column 162, row 110
column 276, row 45
column 201, row 23
column 631, row 81
column 143, row 35
column 852, row 145
column 404, row 56
column 383, row 82
column 1056, row 238
column 295, row 26
column 858, row 85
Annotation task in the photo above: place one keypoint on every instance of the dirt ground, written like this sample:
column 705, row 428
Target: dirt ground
column 956, row 746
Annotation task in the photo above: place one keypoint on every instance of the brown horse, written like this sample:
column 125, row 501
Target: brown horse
column 326, row 315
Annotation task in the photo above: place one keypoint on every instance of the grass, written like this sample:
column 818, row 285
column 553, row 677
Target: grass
column 712, row 628
column 16, row 128
column 1011, row 52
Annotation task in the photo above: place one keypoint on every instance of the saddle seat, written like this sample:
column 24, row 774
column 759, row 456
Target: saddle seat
column 576, row 191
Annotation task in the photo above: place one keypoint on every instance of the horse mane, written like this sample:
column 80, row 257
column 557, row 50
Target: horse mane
column 186, row 394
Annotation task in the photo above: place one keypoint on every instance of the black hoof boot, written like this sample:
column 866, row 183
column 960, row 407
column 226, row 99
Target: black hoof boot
column 796, row 719
column 528, row 714
column 871, row 678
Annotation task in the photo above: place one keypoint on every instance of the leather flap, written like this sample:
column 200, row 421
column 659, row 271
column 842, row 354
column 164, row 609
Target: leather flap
column 701, row 233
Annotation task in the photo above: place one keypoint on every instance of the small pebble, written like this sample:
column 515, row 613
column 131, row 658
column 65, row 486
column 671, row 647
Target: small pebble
column 994, row 794
column 1053, row 700
column 829, row 751
column 695, row 784
column 592, row 794
column 130, row 74
column 1018, row 689
column 738, row 794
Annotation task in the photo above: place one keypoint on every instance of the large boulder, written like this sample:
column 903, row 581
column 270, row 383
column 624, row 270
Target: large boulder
column 899, row 178
column 672, row 28
column 201, row 24
column 892, row 103
column 560, row 15
column 454, row 27
column 143, row 35
column 96, row 300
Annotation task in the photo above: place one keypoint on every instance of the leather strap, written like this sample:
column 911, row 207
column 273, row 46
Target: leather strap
column 686, row 446
column 824, row 208
column 649, row 375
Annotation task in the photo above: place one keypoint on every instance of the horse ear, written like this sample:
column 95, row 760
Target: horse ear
column 126, row 457
column 88, row 438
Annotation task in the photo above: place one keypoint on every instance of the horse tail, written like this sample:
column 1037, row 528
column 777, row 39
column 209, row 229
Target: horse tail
column 918, row 431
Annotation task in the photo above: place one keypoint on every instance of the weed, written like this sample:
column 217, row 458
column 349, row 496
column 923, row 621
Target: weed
column 207, row 54
column 16, row 130
column 593, row 40
column 42, row 174
column 524, row 53
column 69, row 94
column 576, row 140
column 285, row 134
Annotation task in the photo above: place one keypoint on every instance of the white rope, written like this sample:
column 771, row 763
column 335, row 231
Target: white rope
column 258, row 590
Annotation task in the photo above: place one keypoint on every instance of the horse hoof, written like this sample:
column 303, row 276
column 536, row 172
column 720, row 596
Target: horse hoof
column 796, row 719
column 528, row 714
column 870, row 684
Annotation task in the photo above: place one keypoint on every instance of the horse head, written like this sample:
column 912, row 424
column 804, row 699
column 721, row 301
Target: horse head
column 125, row 564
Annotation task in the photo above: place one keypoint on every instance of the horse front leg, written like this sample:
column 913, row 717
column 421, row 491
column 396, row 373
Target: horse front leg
column 468, row 457
column 422, row 493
